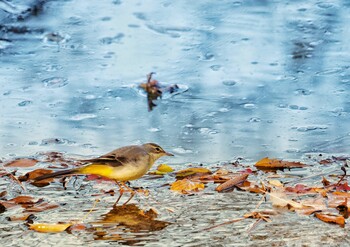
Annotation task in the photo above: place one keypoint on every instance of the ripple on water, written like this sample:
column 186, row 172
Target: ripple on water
column 82, row 116
column 25, row 103
column 55, row 82
column 311, row 128
column 229, row 83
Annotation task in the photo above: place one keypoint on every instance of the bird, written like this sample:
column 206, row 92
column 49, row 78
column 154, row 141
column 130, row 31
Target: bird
column 121, row 165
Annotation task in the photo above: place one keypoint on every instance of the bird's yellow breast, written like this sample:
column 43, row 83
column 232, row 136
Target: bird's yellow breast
column 119, row 173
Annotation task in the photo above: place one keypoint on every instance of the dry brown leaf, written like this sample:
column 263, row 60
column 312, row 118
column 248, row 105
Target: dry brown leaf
column 30, row 176
column 312, row 205
column 23, row 200
column 22, row 163
column 21, row 217
column 133, row 218
column 330, row 218
column 41, row 207
column 49, row 227
column 274, row 164
column 232, row 182
column 191, row 171
column 185, row 186
column 279, row 199
column 251, row 187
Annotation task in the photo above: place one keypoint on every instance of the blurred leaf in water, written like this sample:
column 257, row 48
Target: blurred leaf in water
column 154, row 90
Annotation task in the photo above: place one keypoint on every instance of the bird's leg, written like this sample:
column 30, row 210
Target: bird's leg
column 132, row 193
column 121, row 192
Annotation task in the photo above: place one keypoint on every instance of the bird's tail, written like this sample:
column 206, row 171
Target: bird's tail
column 55, row 174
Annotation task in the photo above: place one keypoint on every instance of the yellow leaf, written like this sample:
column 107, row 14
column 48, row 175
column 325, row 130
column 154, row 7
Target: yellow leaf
column 190, row 171
column 47, row 227
column 164, row 168
column 276, row 183
column 184, row 186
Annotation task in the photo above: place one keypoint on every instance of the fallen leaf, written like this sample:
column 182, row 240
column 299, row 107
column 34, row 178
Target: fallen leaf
column 325, row 182
column 343, row 209
column 23, row 200
column 232, row 182
column 251, row 187
column 132, row 218
column 162, row 169
column 41, row 207
column 274, row 164
column 22, row 163
column 330, row 218
column 192, row 171
column 185, row 186
column 49, row 227
column 2, row 208
column 343, row 187
column 76, row 228
column 275, row 182
column 280, row 200
column 312, row 205
column 21, row 217
column 30, row 176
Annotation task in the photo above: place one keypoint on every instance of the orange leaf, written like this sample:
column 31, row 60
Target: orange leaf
column 37, row 173
column 22, row 163
column 23, row 200
column 46, row 227
column 185, row 186
column 334, row 219
column 274, row 164
column 251, row 187
column 232, row 182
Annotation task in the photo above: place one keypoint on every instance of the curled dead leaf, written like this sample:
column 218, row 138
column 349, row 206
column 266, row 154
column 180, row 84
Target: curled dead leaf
column 186, row 186
column 331, row 218
column 232, row 182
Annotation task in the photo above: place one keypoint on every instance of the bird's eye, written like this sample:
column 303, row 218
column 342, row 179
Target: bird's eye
column 158, row 150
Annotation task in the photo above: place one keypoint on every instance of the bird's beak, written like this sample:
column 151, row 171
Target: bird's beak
column 168, row 154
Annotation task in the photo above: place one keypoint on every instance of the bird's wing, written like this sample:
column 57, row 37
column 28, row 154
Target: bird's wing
column 120, row 156
column 107, row 160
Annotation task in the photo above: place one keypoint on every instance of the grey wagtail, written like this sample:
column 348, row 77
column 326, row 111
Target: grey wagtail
column 123, row 164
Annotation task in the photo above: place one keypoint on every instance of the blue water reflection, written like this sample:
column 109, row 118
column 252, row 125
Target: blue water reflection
column 264, row 78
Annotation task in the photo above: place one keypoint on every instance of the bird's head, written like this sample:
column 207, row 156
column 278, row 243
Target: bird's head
column 155, row 151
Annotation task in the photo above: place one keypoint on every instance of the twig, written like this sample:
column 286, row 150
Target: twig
column 312, row 176
column 223, row 224
column 254, row 225
column 342, row 178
